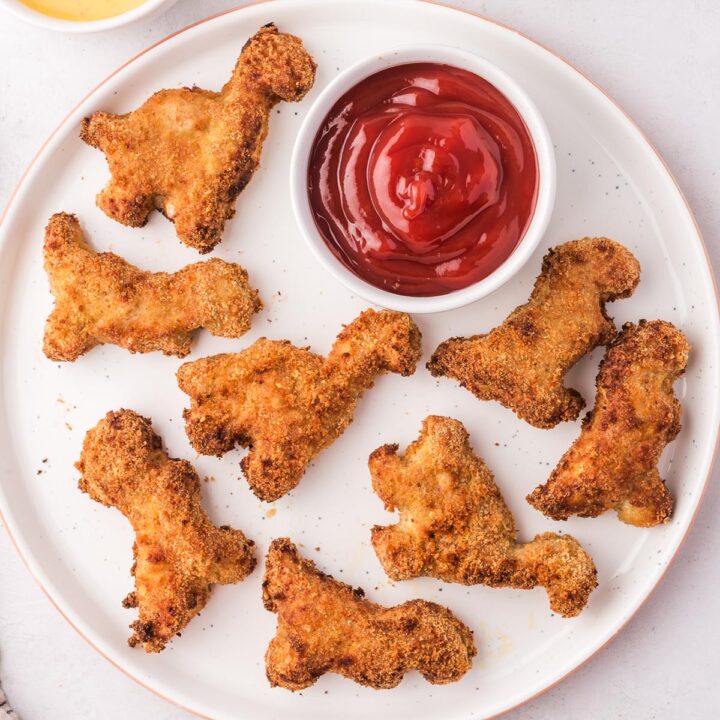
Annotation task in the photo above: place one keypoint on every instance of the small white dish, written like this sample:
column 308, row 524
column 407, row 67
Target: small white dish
column 34, row 17
column 445, row 55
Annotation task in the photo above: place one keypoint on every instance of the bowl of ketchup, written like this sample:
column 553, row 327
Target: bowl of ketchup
column 423, row 178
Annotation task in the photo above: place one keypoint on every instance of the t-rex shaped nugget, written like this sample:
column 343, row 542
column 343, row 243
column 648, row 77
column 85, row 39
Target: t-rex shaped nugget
column 101, row 298
column 287, row 404
column 327, row 626
column 189, row 152
column 612, row 464
column 454, row 524
column 522, row 362
column 178, row 552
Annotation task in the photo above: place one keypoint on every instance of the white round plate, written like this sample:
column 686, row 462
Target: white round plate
column 610, row 182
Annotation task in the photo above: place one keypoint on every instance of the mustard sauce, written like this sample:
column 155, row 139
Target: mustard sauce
column 82, row 10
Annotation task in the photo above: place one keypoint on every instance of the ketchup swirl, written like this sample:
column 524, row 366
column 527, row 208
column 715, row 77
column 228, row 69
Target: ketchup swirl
column 422, row 179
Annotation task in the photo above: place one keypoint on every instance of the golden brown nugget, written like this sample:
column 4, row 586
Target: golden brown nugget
column 612, row 464
column 179, row 554
column 189, row 152
column 522, row 363
column 455, row 525
column 101, row 298
column 286, row 403
column 327, row 626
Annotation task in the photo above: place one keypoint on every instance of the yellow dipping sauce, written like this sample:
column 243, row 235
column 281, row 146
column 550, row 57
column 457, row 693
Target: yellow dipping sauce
column 82, row 10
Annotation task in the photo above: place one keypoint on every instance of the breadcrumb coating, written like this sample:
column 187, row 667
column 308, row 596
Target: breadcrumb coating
column 613, row 463
column 190, row 152
column 522, row 363
column 102, row 298
column 286, row 403
column 455, row 525
column 179, row 554
column 327, row 626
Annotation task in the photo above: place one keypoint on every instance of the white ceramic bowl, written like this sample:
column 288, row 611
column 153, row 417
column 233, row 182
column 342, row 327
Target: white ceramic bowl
column 145, row 10
column 448, row 56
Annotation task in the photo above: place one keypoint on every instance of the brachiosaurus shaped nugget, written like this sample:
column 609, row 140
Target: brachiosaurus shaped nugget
column 613, row 463
column 189, row 152
column 327, row 626
column 454, row 524
column 287, row 404
column 178, row 552
column 522, row 362
column 101, row 298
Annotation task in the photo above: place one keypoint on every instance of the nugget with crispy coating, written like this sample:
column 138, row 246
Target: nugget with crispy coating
column 522, row 362
column 613, row 463
column 327, row 626
column 179, row 554
column 189, row 152
column 286, row 403
column 102, row 298
column 455, row 525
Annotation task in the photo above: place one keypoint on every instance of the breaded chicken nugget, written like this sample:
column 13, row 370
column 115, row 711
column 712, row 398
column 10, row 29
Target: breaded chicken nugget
column 327, row 626
column 101, row 298
column 287, row 404
column 189, row 152
column 455, row 525
column 612, row 464
column 179, row 554
column 522, row 362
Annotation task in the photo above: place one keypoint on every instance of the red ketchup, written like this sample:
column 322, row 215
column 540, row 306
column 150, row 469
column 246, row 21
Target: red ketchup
column 422, row 179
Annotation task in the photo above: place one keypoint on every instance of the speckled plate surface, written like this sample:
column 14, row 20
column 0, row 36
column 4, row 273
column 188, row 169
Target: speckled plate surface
column 610, row 182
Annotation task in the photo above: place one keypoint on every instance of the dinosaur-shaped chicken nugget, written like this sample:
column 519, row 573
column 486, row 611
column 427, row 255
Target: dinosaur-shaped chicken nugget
column 454, row 524
column 101, row 298
column 178, row 552
column 327, row 626
column 190, row 152
column 613, row 463
column 522, row 362
column 287, row 404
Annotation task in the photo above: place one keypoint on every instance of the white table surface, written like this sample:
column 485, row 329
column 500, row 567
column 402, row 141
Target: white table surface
column 660, row 60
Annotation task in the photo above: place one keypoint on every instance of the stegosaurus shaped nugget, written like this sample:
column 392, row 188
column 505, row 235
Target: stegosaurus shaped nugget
column 454, row 524
column 327, row 626
column 179, row 553
column 189, row 152
column 286, row 403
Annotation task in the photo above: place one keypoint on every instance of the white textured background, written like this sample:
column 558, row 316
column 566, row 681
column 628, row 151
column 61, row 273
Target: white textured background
column 660, row 59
